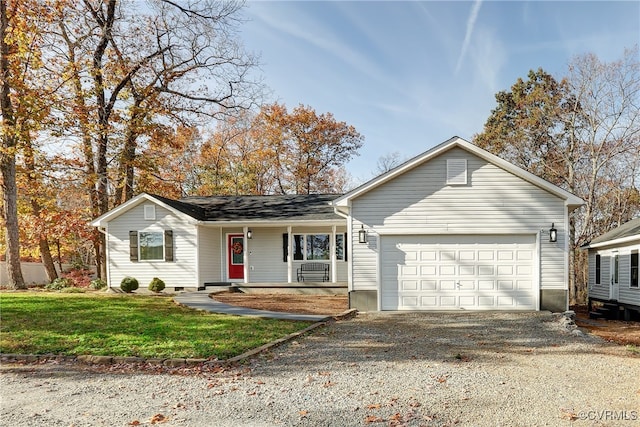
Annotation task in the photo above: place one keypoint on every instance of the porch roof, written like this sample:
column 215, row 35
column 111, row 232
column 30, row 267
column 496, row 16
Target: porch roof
column 625, row 233
column 306, row 207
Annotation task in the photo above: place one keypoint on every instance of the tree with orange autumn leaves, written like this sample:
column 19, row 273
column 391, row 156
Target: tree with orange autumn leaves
column 581, row 133
column 277, row 151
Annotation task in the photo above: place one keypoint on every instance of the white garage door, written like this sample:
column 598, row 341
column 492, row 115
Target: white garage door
column 458, row 272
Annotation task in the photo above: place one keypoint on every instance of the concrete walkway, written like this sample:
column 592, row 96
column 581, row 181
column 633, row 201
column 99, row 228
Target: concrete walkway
column 200, row 300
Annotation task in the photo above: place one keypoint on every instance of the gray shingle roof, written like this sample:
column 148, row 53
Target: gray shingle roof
column 259, row 208
column 628, row 229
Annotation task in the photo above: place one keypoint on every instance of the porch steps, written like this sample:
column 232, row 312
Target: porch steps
column 608, row 311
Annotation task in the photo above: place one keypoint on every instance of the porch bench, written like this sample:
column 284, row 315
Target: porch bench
column 313, row 270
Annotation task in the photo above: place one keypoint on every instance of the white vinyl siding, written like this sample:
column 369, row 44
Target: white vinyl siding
column 210, row 255
column 493, row 202
column 179, row 273
column 598, row 290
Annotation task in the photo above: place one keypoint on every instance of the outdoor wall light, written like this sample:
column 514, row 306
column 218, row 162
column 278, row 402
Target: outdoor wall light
column 249, row 234
column 362, row 235
column 553, row 233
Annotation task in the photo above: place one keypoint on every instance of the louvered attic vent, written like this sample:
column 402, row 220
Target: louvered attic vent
column 456, row 171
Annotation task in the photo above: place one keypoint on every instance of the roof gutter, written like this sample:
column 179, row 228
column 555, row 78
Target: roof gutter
column 611, row 242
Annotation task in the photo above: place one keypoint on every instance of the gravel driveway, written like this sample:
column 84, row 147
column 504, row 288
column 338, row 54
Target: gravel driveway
column 429, row 369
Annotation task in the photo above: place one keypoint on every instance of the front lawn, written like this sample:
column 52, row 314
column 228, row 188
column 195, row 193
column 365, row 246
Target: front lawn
column 127, row 325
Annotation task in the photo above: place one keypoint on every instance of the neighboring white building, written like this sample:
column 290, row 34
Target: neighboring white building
column 455, row 228
column 613, row 267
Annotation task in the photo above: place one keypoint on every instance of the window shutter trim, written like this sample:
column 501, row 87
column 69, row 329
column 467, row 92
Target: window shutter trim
column 133, row 246
column 168, row 245
column 285, row 246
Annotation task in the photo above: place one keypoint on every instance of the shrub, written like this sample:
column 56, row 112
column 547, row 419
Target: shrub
column 129, row 284
column 97, row 284
column 59, row 284
column 156, row 285
column 80, row 277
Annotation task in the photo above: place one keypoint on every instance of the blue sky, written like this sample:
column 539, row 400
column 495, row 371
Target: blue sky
column 410, row 75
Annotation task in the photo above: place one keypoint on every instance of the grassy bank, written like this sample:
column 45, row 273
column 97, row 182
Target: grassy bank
column 126, row 325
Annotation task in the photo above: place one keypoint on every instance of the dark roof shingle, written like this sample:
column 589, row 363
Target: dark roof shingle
column 628, row 229
column 259, row 208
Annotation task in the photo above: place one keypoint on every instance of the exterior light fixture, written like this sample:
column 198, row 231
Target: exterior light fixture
column 249, row 234
column 553, row 233
column 362, row 235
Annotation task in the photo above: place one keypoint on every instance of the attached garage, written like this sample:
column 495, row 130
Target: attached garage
column 471, row 272
column 457, row 228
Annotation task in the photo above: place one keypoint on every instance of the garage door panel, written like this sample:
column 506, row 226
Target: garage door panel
column 466, row 285
column 505, row 285
column 409, row 285
column 524, row 285
column 447, row 285
column 428, row 270
column 486, row 285
column 454, row 272
column 428, row 255
column 467, row 270
column 486, row 270
column 448, row 301
column 409, row 271
column 429, row 302
column 429, row 285
column 447, row 270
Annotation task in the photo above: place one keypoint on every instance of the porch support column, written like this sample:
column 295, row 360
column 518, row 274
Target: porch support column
column 245, row 254
column 289, row 255
column 334, row 263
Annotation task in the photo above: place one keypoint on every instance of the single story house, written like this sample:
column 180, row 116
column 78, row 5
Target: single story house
column 613, row 267
column 455, row 228
column 195, row 241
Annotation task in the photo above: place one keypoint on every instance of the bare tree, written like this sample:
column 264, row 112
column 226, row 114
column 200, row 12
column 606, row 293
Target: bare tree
column 387, row 162
column 581, row 133
column 131, row 68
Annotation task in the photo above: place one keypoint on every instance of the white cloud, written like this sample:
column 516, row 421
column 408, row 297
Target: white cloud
column 471, row 22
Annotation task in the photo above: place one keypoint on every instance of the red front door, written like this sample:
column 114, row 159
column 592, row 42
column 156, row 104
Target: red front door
column 235, row 256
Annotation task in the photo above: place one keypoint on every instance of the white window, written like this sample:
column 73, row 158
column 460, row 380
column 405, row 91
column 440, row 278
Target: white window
column 151, row 245
column 311, row 247
column 456, row 171
column 150, row 212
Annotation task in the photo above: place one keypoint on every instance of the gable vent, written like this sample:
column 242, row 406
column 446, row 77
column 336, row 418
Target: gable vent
column 456, row 171
column 149, row 212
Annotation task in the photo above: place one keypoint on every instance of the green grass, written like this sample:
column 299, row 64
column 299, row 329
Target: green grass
column 126, row 325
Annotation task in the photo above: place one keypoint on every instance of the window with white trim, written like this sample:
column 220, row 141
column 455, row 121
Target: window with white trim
column 456, row 171
column 151, row 245
column 309, row 247
column 598, row 269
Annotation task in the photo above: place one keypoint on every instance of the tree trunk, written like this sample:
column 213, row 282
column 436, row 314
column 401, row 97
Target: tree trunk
column 8, row 162
column 47, row 259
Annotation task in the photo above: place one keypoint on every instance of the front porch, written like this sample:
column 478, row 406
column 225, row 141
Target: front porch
column 305, row 288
